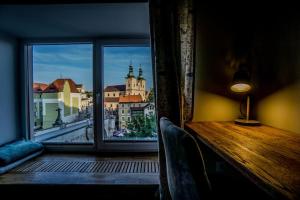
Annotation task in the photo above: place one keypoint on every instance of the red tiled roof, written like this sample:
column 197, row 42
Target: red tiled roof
column 131, row 99
column 58, row 86
column 115, row 88
column 111, row 99
column 39, row 87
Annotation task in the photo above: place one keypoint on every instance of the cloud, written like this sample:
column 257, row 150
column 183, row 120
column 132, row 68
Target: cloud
column 76, row 61
column 47, row 73
column 75, row 55
column 117, row 60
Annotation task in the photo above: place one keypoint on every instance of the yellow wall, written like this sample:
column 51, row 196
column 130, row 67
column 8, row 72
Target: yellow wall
column 272, row 54
column 67, row 101
column 282, row 108
column 50, row 96
column 213, row 100
column 51, row 115
column 75, row 105
column 212, row 107
column 111, row 94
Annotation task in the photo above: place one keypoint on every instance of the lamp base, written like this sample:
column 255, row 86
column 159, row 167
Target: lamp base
column 246, row 122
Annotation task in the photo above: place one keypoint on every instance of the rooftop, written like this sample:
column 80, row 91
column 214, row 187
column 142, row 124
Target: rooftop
column 58, row 86
column 115, row 88
column 111, row 99
column 39, row 87
column 131, row 99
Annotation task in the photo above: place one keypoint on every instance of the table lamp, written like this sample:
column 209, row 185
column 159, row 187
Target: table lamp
column 241, row 84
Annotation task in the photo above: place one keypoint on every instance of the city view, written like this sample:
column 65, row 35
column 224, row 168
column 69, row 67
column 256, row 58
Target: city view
column 63, row 94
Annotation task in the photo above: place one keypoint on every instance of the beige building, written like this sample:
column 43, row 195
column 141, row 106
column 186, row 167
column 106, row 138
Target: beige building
column 136, row 85
column 111, row 96
column 86, row 100
column 126, row 105
column 61, row 93
column 124, row 98
column 114, row 90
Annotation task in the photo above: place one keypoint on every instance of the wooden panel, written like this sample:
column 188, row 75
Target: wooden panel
column 268, row 156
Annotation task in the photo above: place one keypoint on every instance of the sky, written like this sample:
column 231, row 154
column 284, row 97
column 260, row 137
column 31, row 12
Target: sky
column 75, row 61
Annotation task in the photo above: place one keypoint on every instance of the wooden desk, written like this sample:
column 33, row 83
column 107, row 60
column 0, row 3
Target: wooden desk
column 268, row 156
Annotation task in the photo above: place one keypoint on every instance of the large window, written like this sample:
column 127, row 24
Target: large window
column 99, row 93
column 62, row 93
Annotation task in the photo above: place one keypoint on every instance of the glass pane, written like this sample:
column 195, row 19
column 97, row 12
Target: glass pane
column 63, row 93
column 129, row 109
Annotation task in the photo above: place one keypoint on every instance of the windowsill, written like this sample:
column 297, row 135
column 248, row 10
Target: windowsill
column 80, row 173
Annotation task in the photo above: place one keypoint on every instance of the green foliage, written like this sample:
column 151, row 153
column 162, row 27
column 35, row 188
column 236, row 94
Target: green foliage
column 151, row 95
column 142, row 126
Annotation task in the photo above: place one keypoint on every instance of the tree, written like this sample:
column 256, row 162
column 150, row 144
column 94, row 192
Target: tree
column 151, row 95
column 147, row 127
column 142, row 126
column 130, row 126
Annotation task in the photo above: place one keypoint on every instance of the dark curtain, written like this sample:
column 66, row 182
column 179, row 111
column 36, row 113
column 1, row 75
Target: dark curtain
column 172, row 35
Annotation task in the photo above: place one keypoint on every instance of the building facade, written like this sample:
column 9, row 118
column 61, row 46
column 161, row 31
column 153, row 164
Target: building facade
column 123, row 103
column 126, row 105
column 59, row 96
column 136, row 85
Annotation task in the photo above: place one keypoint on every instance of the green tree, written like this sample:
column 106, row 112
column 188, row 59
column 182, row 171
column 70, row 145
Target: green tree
column 142, row 126
column 151, row 95
column 130, row 126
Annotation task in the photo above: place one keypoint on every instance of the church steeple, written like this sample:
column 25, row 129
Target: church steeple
column 140, row 73
column 130, row 73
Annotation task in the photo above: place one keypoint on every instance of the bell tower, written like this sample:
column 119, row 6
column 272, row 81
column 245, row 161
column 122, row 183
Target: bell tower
column 141, row 84
column 130, row 81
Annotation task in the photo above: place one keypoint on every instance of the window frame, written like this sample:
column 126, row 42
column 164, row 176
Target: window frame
column 27, row 106
column 119, row 145
column 99, row 144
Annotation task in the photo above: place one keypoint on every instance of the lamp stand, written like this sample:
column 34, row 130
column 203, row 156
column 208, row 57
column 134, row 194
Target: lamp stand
column 247, row 121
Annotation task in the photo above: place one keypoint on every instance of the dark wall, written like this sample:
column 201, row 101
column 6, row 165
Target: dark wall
column 215, row 64
column 268, row 41
column 9, row 112
column 277, row 69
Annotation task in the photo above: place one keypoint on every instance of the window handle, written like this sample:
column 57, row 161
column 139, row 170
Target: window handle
column 98, row 98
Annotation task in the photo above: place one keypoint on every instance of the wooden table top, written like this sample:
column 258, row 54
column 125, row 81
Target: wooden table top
column 270, row 157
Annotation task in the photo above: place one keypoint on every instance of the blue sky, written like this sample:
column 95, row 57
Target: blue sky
column 75, row 61
column 117, row 60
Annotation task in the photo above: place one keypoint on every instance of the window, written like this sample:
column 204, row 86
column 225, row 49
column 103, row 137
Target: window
column 62, row 90
column 63, row 78
column 134, row 63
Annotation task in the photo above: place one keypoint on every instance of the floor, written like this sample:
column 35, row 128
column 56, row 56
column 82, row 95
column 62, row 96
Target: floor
column 74, row 175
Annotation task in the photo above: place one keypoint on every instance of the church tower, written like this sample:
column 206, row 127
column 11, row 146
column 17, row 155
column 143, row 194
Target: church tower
column 141, row 84
column 130, row 81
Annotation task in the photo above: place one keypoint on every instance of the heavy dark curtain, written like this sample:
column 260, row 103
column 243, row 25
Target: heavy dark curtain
column 172, row 35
